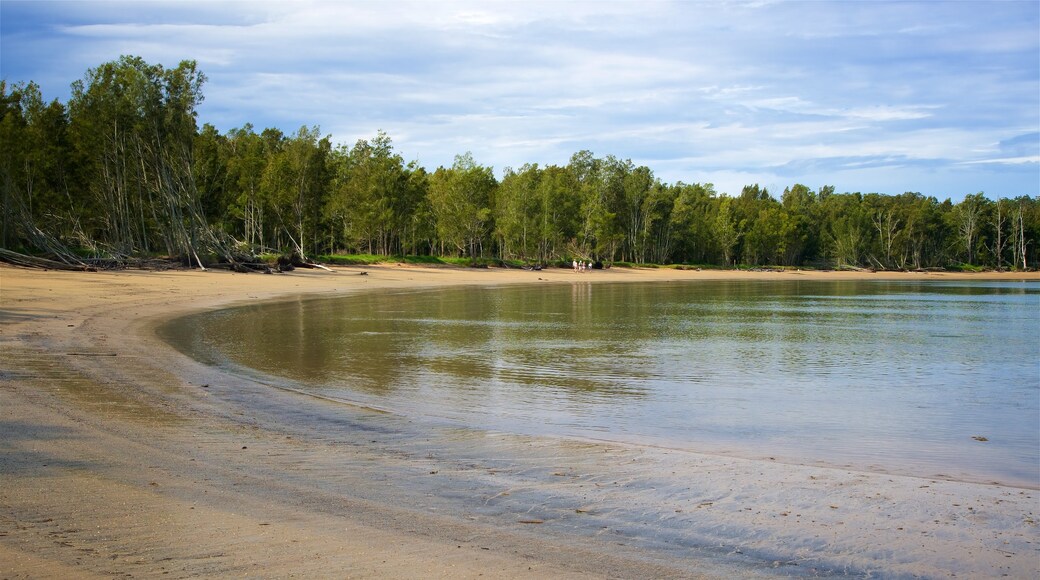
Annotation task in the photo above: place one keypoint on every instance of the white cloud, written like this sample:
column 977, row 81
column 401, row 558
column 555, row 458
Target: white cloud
column 727, row 91
column 1032, row 159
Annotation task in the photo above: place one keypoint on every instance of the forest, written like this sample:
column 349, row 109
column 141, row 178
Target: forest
column 124, row 170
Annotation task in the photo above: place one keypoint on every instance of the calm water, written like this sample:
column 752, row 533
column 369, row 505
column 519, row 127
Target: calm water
column 888, row 376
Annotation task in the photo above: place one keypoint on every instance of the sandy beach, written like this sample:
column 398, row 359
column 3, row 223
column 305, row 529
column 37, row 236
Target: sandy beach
column 119, row 456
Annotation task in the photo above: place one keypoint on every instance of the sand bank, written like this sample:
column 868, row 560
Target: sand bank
column 120, row 456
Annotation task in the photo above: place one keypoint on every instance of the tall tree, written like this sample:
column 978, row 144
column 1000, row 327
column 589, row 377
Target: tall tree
column 968, row 217
column 134, row 125
column 847, row 228
column 245, row 165
column 460, row 197
column 558, row 206
column 800, row 224
column 38, row 190
column 724, row 230
column 691, row 217
column 636, row 184
column 370, row 201
column 518, row 212
column 296, row 181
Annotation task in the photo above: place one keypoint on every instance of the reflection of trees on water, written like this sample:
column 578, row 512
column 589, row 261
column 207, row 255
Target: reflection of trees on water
column 582, row 342
column 849, row 365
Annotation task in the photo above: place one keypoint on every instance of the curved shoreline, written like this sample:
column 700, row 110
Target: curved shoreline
column 959, row 462
column 146, row 462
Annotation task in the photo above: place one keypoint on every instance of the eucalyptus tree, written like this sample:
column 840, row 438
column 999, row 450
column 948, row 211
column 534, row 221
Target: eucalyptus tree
column 12, row 128
column 246, row 160
column 636, row 209
column 559, row 204
column 370, row 200
column 906, row 230
column 518, row 213
column 969, row 219
column 801, row 230
column 745, row 208
column 210, row 167
column 38, row 187
column 134, row 125
column 658, row 231
column 887, row 223
column 460, row 198
column 601, row 186
column 765, row 241
column 690, row 219
column 586, row 172
column 295, row 182
column 419, row 232
column 999, row 221
column 1025, row 231
column 724, row 230
column 536, row 212
column 610, row 223
column 847, row 228
column 108, row 113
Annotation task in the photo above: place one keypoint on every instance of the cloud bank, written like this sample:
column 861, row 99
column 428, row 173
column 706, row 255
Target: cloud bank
column 937, row 97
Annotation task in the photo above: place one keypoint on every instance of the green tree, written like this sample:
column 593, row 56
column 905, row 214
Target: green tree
column 724, row 230
column 765, row 240
column 658, row 230
column 800, row 233
column 968, row 218
column 691, row 217
column 460, row 197
column 420, row 228
column 638, row 209
column 245, row 166
column 295, row 182
column 593, row 210
column 133, row 126
column 518, row 213
column 210, row 169
column 371, row 199
column 558, row 207
column 847, row 229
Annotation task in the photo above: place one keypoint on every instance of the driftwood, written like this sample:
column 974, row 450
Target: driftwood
column 27, row 261
column 243, row 267
column 285, row 263
column 288, row 263
column 312, row 266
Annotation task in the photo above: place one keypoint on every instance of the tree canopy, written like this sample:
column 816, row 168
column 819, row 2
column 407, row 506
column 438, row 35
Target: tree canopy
column 124, row 168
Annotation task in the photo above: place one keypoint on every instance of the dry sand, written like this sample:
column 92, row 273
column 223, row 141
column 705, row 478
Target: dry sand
column 121, row 457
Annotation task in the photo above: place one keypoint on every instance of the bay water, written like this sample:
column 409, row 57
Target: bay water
column 923, row 378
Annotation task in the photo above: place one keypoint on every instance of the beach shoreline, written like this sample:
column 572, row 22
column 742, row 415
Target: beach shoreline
column 122, row 456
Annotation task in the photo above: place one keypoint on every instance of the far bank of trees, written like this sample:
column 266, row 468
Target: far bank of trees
column 123, row 168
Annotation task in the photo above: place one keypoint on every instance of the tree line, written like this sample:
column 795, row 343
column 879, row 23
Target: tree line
column 124, row 169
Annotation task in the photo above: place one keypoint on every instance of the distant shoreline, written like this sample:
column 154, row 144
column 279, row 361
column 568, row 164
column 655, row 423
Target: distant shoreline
column 122, row 456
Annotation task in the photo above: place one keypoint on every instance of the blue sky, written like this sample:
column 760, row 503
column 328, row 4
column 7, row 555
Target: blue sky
column 942, row 98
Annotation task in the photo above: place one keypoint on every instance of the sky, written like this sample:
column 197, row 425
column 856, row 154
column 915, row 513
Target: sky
column 940, row 98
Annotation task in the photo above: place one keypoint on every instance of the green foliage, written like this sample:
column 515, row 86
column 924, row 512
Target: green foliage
column 123, row 168
column 460, row 197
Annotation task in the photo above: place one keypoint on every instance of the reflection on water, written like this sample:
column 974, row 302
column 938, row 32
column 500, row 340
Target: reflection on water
column 878, row 375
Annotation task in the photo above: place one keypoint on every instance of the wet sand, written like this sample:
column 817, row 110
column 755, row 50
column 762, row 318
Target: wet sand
column 120, row 456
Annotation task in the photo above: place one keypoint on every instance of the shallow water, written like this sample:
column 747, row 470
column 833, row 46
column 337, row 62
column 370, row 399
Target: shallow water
column 895, row 377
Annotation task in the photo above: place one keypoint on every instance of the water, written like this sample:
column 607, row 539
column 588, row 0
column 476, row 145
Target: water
column 897, row 377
